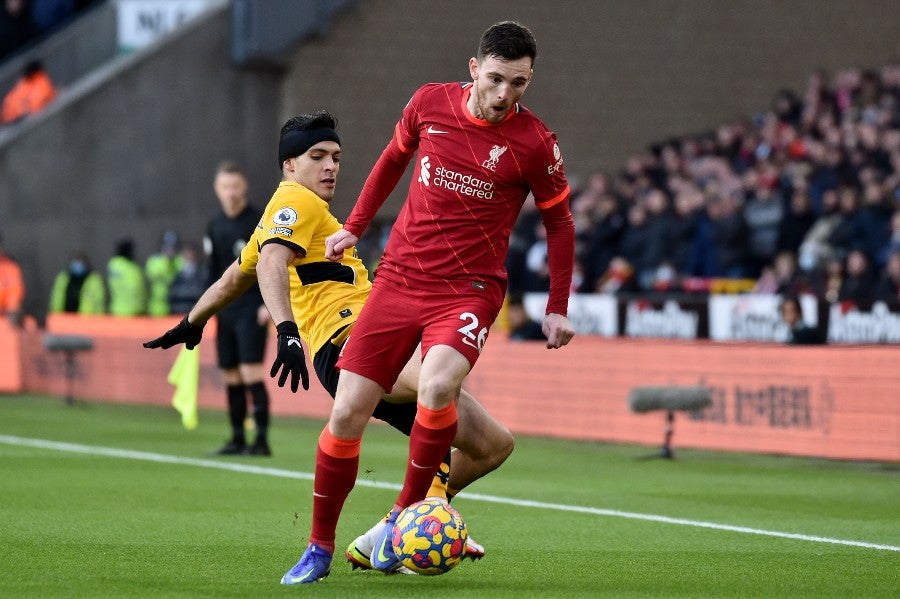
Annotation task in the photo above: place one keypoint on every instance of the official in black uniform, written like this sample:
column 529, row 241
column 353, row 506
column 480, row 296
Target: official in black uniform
column 242, row 326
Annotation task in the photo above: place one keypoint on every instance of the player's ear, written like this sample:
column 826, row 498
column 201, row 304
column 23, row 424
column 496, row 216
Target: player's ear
column 473, row 68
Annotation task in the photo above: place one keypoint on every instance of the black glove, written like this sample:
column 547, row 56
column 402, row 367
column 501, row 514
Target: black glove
column 290, row 359
column 183, row 332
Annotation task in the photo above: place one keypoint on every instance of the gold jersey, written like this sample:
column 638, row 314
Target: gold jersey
column 325, row 295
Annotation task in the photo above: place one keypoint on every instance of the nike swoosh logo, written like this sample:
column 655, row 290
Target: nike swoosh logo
column 436, row 131
column 381, row 555
column 293, row 342
column 414, row 465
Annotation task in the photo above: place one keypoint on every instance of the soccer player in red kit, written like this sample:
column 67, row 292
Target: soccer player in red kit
column 441, row 281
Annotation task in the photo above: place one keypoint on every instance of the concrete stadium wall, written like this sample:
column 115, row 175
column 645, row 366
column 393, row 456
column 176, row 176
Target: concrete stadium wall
column 833, row 402
column 131, row 149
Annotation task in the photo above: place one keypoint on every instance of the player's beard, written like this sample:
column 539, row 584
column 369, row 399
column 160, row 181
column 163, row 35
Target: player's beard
column 485, row 108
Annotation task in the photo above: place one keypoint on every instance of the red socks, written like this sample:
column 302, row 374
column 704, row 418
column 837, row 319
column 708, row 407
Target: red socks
column 432, row 433
column 337, row 463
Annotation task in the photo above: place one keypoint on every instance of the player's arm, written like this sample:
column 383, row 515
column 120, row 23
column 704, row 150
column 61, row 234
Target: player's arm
column 275, row 259
column 274, row 279
column 379, row 184
column 561, row 259
column 233, row 283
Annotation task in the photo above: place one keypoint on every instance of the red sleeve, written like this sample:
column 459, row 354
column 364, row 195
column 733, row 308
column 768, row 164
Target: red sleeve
column 560, row 253
column 379, row 185
column 547, row 180
column 387, row 171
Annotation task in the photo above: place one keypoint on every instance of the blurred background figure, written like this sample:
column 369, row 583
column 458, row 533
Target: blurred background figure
column 521, row 326
column 160, row 270
column 799, row 333
column 189, row 282
column 242, row 326
column 15, row 26
column 12, row 287
column 125, row 278
column 78, row 289
column 888, row 289
column 47, row 14
column 858, row 286
column 618, row 278
column 32, row 93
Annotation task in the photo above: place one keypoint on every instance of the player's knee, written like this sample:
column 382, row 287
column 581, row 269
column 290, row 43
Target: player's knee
column 502, row 445
column 492, row 449
column 438, row 391
column 346, row 421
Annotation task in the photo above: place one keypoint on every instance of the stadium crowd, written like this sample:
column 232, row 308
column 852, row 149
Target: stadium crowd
column 801, row 198
column 25, row 21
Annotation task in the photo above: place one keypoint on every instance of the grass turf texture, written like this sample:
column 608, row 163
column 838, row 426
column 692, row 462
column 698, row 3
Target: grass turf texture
column 78, row 525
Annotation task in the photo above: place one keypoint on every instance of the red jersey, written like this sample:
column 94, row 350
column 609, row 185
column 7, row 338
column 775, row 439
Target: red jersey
column 468, row 186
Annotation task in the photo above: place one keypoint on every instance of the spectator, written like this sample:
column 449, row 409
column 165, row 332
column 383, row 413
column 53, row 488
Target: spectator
column 729, row 238
column 665, row 278
column 160, row 270
column 618, row 278
column 537, row 267
column 798, row 219
column 767, row 282
column 688, row 204
column 31, row 93
column 763, row 213
column 827, row 280
column 888, row 288
column 893, row 243
column 521, row 326
column 602, row 241
column 12, row 287
column 846, row 235
column 634, row 242
column 815, row 250
column 15, row 26
column 782, row 277
column 858, row 286
column 47, row 14
column 659, row 237
column 78, row 289
column 189, row 282
column 799, row 333
column 874, row 223
column 127, row 291
column 520, row 241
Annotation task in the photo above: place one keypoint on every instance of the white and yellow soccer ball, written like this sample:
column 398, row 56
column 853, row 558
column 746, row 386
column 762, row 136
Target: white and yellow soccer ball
column 429, row 537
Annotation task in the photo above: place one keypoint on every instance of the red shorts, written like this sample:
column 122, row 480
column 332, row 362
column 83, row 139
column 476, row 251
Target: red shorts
column 395, row 319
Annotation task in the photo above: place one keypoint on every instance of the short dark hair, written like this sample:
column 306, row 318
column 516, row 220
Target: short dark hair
column 507, row 40
column 231, row 168
column 314, row 120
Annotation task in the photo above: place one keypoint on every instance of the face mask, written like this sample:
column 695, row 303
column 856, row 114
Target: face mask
column 77, row 268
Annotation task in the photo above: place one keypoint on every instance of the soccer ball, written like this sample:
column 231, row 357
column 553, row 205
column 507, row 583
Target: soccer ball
column 429, row 537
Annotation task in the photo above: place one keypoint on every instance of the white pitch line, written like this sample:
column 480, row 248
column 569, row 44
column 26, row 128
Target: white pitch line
column 280, row 473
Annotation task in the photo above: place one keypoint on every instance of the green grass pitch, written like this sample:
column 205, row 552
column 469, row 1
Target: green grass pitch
column 156, row 518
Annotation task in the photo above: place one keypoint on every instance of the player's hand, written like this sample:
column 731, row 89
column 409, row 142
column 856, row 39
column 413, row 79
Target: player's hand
column 290, row 359
column 558, row 330
column 183, row 332
column 337, row 242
